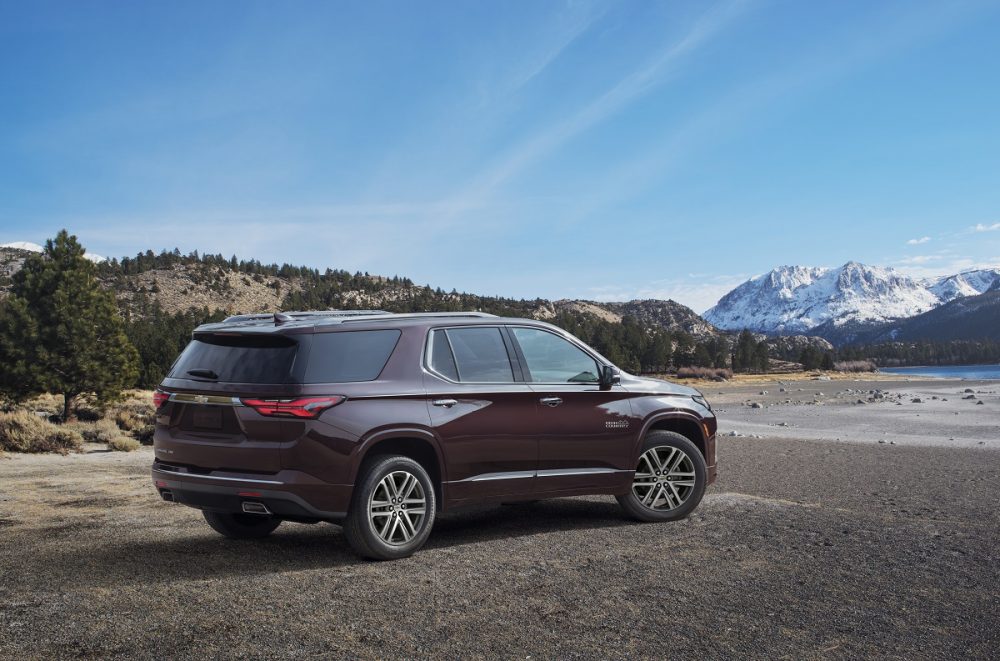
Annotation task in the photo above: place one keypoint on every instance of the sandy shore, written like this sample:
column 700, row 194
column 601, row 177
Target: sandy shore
column 803, row 549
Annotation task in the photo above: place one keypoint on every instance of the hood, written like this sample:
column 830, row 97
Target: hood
column 656, row 386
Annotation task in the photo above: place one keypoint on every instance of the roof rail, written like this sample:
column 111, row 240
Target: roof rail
column 306, row 314
column 421, row 315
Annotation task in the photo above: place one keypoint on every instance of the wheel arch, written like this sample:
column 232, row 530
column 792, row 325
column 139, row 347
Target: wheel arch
column 685, row 424
column 414, row 443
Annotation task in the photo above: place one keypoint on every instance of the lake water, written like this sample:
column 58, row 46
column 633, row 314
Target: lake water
column 975, row 372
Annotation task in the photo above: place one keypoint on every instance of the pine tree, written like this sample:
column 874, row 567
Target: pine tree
column 60, row 332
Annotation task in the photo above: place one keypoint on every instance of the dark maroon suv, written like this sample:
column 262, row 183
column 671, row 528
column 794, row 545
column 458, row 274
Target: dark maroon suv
column 378, row 421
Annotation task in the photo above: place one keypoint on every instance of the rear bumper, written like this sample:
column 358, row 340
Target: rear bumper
column 290, row 494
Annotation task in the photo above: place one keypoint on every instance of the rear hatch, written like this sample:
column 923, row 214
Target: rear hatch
column 205, row 425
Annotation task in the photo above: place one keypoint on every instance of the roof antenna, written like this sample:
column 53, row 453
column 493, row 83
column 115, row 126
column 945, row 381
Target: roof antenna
column 280, row 319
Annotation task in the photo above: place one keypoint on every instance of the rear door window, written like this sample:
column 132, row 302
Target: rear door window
column 480, row 355
column 349, row 355
column 442, row 360
column 237, row 359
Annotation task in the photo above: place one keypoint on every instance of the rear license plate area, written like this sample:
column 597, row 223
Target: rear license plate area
column 207, row 417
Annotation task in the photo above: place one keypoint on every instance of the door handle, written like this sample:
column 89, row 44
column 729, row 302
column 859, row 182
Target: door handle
column 551, row 401
column 447, row 403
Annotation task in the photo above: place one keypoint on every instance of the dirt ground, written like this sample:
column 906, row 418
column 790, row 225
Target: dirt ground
column 803, row 549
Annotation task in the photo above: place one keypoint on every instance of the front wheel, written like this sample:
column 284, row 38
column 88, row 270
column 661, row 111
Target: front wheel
column 669, row 479
column 392, row 511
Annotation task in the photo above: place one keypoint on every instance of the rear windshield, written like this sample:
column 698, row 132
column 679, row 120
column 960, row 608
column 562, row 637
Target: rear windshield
column 349, row 355
column 237, row 359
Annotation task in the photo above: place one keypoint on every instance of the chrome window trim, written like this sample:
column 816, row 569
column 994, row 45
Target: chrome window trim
column 429, row 352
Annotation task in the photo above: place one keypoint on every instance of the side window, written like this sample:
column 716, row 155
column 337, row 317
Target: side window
column 479, row 353
column 340, row 357
column 442, row 360
column 551, row 359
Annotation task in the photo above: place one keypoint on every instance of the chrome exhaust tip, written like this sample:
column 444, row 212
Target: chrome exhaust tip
column 253, row 507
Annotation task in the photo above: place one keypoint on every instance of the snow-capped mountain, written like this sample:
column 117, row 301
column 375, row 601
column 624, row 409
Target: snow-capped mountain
column 34, row 247
column 796, row 299
column 968, row 283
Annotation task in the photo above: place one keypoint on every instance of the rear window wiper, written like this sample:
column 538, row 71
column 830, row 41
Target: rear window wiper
column 205, row 374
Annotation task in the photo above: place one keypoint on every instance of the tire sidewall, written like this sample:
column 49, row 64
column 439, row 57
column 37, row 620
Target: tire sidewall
column 660, row 438
column 379, row 548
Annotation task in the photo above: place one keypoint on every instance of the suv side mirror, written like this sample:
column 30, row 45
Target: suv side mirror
column 609, row 377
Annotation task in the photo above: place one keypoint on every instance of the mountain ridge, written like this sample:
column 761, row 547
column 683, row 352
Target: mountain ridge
column 829, row 302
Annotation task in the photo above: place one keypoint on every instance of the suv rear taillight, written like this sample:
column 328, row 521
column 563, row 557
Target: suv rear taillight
column 160, row 398
column 305, row 407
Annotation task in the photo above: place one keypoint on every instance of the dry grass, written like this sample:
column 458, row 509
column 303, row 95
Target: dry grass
column 123, row 443
column 709, row 373
column 23, row 431
column 789, row 377
column 106, row 432
column 122, row 425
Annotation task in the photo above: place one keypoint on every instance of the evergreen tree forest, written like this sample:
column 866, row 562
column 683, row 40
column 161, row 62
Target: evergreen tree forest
column 139, row 341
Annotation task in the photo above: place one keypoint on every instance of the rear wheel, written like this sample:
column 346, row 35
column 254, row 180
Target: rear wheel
column 236, row 525
column 669, row 479
column 392, row 511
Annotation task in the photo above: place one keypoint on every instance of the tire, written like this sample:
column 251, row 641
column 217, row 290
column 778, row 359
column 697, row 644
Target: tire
column 657, row 495
column 236, row 525
column 405, row 530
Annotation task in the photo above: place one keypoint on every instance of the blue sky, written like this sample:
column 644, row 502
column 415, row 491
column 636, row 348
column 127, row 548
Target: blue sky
column 604, row 150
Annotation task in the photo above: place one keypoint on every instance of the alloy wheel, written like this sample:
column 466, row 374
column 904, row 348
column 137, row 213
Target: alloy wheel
column 664, row 478
column 397, row 507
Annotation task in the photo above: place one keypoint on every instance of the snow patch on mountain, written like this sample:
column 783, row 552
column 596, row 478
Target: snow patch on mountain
column 968, row 283
column 795, row 299
column 34, row 247
column 23, row 245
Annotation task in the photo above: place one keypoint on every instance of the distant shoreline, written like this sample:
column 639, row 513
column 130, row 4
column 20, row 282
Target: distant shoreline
column 964, row 372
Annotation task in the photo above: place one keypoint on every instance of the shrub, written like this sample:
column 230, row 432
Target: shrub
column 854, row 366
column 133, row 414
column 713, row 373
column 145, row 435
column 129, row 421
column 107, row 433
column 123, row 443
column 22, row 431
column 87, row 413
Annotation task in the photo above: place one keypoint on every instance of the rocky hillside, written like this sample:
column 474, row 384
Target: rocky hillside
column 178, row 284
column 668, row 314
column 182, row 287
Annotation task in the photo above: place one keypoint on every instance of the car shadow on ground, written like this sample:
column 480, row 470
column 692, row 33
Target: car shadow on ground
column 296, row 547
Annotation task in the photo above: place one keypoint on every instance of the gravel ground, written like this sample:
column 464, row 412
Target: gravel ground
column 941, row 412
column 803, row 549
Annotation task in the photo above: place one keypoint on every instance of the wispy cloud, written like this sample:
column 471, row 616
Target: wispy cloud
column 575, row 26
column 745, row 103
column 626, row 91
column 917, row 242
column 980, row 227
